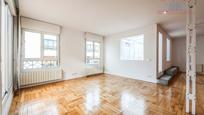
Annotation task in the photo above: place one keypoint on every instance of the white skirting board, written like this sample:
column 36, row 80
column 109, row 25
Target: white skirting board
column 146, row 79
column 69, row 76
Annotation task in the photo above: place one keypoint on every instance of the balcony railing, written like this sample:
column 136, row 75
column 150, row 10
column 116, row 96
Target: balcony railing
column 38, row 64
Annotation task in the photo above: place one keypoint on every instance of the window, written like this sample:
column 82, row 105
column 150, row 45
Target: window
column 93, row 52
column 50, row 46
column 168, row 49
column 132, row 48
column 6, row 49
column 32, row 45
column 40, row 50
column 160, row 51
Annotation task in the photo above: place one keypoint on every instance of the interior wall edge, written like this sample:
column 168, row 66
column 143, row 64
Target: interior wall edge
column 0, row 56
column 7, row 102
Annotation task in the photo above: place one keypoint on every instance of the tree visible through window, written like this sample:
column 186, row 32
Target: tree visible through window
column 132, row 48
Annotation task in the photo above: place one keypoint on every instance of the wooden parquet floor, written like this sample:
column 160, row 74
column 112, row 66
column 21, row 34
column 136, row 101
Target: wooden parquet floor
column 106, row 95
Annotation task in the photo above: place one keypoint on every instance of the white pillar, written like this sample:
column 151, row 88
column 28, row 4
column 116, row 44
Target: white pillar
column 191, row 57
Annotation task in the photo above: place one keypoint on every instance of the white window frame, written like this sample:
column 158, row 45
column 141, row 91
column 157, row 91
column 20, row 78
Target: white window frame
column 136, row 56
column 168, row 49
column 93, row 52
column 160, row 52
column 42, row 58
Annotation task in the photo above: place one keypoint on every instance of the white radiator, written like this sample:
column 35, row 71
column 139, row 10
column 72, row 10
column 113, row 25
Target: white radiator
column 32, row 77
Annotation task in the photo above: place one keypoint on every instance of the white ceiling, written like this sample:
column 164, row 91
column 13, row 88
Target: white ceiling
column 107, row 17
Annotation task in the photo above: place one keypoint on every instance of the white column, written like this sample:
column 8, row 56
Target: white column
column 191, row 57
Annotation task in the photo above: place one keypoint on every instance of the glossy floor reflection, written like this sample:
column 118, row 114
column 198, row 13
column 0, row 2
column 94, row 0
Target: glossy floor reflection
column 106, row 95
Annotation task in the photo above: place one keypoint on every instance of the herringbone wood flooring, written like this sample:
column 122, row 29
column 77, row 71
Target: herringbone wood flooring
column 106, row 95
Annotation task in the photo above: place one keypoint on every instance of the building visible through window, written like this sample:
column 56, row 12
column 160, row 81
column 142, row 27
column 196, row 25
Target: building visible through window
column 40, row 50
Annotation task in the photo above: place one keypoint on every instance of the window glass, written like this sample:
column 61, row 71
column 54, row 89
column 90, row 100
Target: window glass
column 93, row 52
column 40, row 50
column 50, row 45
column 160, row 51
column 96, row 50
column 132, row 48
column 32, row 45
column 89, row 52
column 168, row 49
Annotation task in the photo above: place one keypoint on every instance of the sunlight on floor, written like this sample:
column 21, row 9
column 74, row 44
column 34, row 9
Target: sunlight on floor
column 39, row 107
column 131, row 104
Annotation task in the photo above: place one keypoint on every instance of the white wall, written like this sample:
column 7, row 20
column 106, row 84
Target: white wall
column 179, row 52
column 72, row 53
column 142, row 70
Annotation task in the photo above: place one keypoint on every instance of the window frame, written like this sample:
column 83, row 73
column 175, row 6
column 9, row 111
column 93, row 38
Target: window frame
column 100, row 57
column 160, row 52
column 136, row 57
column 168, row 50
column 42, row 57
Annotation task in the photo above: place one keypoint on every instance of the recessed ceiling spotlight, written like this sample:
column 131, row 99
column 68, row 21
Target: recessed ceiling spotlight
column 165, row 12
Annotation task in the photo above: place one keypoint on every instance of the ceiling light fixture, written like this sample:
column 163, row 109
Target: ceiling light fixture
column 165, row 12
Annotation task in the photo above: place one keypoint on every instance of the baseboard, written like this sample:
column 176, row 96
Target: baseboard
column 7, row 103
column 131, row 77
column 95, row 74
column 70, row 76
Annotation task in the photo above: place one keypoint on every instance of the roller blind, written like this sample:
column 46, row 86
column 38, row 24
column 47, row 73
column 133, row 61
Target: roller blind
column 93, row 37
column 39, row 25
